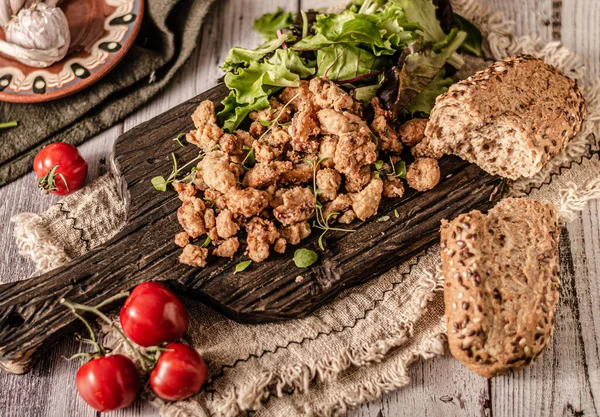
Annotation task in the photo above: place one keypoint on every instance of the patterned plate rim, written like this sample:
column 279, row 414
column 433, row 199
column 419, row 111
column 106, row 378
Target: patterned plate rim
column 78, row 73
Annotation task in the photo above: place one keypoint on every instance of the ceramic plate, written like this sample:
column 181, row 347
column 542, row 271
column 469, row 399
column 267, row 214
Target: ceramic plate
column 102, row 31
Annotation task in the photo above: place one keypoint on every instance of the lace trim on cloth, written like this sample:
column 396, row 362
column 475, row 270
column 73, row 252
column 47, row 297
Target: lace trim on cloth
column 71, row 227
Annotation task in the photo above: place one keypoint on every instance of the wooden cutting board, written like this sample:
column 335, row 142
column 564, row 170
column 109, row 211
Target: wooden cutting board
column 31, row 319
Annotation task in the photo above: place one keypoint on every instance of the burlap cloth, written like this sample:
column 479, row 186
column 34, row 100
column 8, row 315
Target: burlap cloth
column 359, row 346
column 159, row 51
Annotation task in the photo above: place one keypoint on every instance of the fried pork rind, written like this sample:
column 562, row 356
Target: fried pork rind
column 309, row 152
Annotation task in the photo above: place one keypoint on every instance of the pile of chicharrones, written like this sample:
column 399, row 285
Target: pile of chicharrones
column 310, row 155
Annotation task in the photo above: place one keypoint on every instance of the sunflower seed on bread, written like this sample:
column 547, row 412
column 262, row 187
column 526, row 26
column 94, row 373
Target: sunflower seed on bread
column 501, row 280
column 509, row 119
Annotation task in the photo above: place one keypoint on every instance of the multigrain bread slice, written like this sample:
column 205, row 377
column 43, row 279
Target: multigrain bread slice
column 509, row 119
column 501, row 277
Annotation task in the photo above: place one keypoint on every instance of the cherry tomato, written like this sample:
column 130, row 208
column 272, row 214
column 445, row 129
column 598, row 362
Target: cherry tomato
column 153, row 315
column 179, row 373
column 108, row 383
column 60, row 169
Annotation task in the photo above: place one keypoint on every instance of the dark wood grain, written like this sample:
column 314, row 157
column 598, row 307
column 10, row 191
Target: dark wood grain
column 31, row 318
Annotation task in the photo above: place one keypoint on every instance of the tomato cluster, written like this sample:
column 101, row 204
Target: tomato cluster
column 152, row 317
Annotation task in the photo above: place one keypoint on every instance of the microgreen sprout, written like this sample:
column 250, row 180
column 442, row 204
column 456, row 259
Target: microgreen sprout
column 6, row 125
column 395, row 170
column 206, row 242
column 160, row 183
column 275, row 122
column 250, row 158
column 321, row 221
column 179, row 138
column 242, row 266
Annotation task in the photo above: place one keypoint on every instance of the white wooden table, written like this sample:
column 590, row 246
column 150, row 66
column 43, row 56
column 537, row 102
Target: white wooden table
column 564, row 381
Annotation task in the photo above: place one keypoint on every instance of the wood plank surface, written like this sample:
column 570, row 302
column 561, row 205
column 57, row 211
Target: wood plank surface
column 440, row 387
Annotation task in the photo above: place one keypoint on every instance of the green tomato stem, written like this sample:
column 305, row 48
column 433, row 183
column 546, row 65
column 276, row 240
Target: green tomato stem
column 95, row 310
column 94, row 342
column 112, row 299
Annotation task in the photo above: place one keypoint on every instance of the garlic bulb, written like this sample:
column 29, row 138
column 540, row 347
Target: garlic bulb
column 37, row 36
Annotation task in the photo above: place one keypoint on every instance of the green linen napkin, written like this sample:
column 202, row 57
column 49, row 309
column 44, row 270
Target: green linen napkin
column 168, row 36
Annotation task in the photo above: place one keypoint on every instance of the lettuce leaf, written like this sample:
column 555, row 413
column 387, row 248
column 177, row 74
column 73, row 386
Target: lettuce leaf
column 257, row 80
column 420, row 68
column 241, row 56
column 473, row 42
column 384, row 32
column 268, row 24
column 251, row 86
column 423, row 13
column 293, row 62
column 234, row 113
column 425, row 100
column 416, row 71
column 366, row 6
column 367, row 92
column 346, row 62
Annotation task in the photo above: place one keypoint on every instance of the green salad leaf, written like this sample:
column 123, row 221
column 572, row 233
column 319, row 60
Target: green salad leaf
column 259, row 79
column 366, row 6
column 303, row 258
column 425, row 100
column 234, row 113
column 346, row 62
column 293, row 62
column 473, row 42
column 365, row 93
column 252, row 85
column 268, row 24
column 420, row 69
column 241, row 56
column 423, row 12
column 383, row 31
column 354, row 48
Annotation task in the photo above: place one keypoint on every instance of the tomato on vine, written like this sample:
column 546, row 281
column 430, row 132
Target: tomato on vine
column 153, row 315
column 60, row 168
column 108, row 383
column 179, row 373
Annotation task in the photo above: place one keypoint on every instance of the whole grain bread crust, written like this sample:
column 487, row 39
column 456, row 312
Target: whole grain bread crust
column 520, row 97
column 501, row 276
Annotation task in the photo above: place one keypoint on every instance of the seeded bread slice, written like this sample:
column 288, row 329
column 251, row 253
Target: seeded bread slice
column 501, row 278
column 509, row 119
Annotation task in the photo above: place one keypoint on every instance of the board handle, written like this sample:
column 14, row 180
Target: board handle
column 31, row 317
